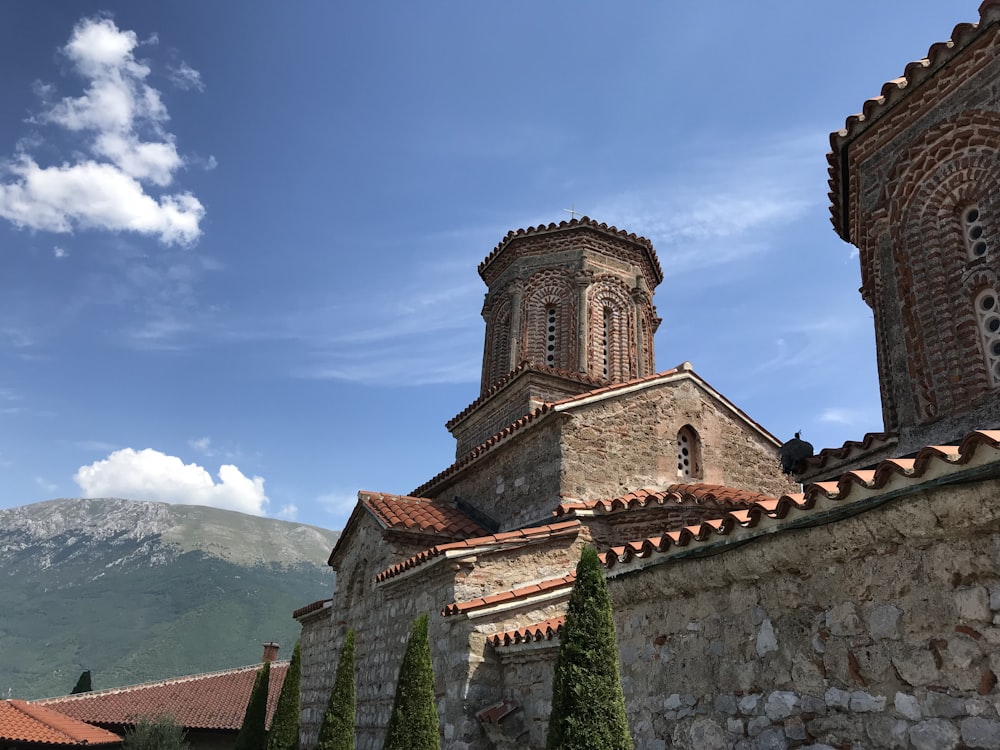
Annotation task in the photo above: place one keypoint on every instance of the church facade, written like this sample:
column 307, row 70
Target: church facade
column 857, row 612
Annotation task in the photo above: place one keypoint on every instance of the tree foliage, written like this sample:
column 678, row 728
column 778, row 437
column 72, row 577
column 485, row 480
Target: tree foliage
column 414, row 721
column 162, row 733
column 83, row 684
column 337, row 730
column 588, row 706
column 253, row 733
column 284, row 734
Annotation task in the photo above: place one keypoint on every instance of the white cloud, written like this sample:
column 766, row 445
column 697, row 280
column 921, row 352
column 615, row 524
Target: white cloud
column 151, row 475
column 288, row 512
column 203, row 445
column 185, row 77
column 339, row 504
column 847, row 416
column 129, row 150
column 60, row 252
column 46, row 485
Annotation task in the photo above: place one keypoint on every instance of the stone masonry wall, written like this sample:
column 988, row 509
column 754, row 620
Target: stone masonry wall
column 614, row 446
column 879, row 631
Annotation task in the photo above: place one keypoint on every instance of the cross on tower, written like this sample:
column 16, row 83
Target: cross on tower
column 571, row 211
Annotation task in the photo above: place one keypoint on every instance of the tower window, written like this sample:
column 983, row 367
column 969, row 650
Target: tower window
column 606, row 341
column 688, row 453
column 550, row 343
column 988, row 318
column 974, row 233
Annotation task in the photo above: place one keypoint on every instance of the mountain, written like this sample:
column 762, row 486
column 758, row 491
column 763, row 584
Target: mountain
column 138, row 591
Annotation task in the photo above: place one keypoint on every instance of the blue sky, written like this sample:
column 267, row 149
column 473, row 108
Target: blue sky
column 238, row 242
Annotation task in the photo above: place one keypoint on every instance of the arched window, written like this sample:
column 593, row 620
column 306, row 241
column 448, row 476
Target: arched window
column 550, row 335
column 988, row 318
column 688, row 453
column 974, row 233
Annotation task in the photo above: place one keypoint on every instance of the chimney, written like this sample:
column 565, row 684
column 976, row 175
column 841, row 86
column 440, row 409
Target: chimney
column 270, row 651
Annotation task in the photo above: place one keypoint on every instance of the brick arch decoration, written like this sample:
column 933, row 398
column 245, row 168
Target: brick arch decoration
column 951, row 166
column 650, row 322
column 610, row 314
column 496, row 358
column 551, row 288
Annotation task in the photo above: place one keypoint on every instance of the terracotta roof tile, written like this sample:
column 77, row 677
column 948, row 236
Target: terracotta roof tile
column 509, row 538
column 675, row 494
column 582, row 222
column 25, row 722
column 915, row 73
column 851, row 449
column 402, row 512
column 495, row 713
column 546, row 630
column 851, row 493
column 513, row 595
column 215, row 700
column 310, row 608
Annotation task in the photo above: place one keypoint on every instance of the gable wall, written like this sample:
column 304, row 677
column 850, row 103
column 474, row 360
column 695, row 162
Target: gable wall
column 618, row 445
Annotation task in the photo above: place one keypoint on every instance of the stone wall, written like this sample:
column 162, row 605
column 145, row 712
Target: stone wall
column 878, row 631
column 621, row 444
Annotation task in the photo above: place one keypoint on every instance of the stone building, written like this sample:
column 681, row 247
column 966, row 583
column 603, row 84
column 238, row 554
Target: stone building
column 862, row 611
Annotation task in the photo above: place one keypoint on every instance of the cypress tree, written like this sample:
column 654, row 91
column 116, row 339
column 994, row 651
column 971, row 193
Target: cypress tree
column 588, row 706
column 284, row 734
column 253, row 733
column 414, row 721
column 83, row 684
column 337, row 729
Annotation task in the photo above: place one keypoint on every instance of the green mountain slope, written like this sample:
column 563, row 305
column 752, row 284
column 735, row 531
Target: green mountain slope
column 137, row 591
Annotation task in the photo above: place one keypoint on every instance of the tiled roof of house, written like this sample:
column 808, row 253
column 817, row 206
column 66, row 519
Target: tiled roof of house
column 546, row 630
column 582, row 222
column 915, row 73
column 26, row 722
column 484, row 543
column 402, row 512
column 854, row 492
column 675, row 494
column 683, row 370
column 310, row 608
column 215, row 700
column 513, row 596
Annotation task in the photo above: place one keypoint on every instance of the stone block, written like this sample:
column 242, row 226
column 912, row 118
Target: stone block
column 973, row 604
column 843, row 620
column 980, row 733
column 908, row 706
column 862, row 702
column 915, row 665
column 934, row 734
column 837, row 698
column 781, row 704
column 883, row 621
column 772, row 739
column 889, row 733
column 767, row 641
column 749, row 704
column 726, row 704
column 943, row 705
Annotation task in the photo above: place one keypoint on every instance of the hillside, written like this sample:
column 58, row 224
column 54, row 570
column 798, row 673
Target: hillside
column 137, row 591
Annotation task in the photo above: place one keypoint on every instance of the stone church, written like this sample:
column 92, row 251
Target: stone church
column 855, row 604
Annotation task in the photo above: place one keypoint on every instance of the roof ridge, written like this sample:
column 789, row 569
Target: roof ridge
column 155, row 683
column 525, row 590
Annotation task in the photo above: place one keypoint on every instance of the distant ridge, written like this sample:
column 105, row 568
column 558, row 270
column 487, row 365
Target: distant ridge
column 137, row 591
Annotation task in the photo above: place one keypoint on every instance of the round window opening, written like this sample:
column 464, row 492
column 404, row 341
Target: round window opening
column 971, row 215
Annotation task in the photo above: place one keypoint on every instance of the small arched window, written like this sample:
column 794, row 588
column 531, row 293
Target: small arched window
column 988, row 318
column 973, row 232
column 688, row 453
column 550, row 336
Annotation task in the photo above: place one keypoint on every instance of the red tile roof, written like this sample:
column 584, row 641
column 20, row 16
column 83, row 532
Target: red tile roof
column 582, row 222
column 216, row 700
column 675, row 494
column 683, row 370
column 405, row 513
column 546, row 630
column 872, row 441
column 310, row 608
column 915, row 73
column 531, row 535
column 549, row 586
column 25, row 722
column 854, row 492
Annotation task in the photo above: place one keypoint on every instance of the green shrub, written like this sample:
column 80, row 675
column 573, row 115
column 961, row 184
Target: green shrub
column 253, row 733
column 414, row 721
column 337, row 730
column 588, row 706
column 284, row 734
column 155, row 734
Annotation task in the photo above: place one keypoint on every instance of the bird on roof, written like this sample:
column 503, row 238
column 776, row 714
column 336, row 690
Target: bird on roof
column 793, row 452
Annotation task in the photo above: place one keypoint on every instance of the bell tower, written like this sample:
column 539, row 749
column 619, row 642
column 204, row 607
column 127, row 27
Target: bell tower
column 568, row 308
